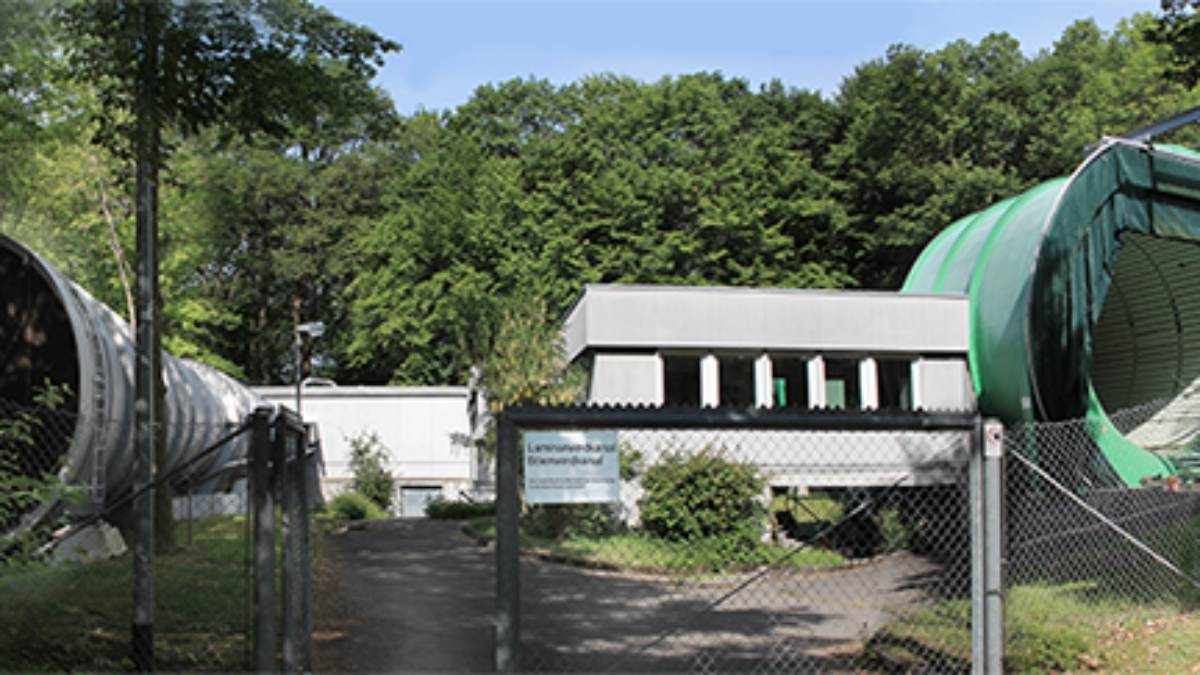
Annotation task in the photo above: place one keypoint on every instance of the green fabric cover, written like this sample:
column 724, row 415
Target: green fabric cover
column 1036, row 269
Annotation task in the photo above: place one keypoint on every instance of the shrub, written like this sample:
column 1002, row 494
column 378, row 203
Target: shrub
column 369, row 462
column 444, row 509
column 354, row 506
column 691, row 496
column 567, row 521
column 22, row 485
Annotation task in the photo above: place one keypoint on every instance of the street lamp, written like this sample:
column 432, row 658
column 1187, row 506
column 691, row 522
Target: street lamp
column 314, row 329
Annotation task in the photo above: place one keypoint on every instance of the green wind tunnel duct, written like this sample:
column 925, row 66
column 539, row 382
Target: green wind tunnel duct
column 51, row 330
column 1085, row 303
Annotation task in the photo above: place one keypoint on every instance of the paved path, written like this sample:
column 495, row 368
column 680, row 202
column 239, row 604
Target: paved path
column 420, row 598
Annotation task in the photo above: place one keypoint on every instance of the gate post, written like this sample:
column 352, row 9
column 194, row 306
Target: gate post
column 508, row 548
column 987, row 548
column 262, row 507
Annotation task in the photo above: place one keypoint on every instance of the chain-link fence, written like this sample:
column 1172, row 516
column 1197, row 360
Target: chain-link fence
column 1092, row 559
column 67, row 576
column 773, row 543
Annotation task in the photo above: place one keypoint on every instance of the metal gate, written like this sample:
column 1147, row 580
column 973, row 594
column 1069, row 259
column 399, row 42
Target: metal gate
column 859, row 546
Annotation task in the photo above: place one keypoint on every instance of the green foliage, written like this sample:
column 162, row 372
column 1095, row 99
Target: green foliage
column 705, row 499
column 1036, row 647
column 569, row 521
column 22, row 483
column 296, row 193
column 1179, row 28
column 440, row 508
column 527, row 362
column 353, row 506
column 643, row 552
column 245, row 66
column 75, row 617
column 369, row 460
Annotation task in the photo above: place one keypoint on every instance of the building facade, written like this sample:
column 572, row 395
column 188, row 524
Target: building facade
column 713, row 346
column 424, row 431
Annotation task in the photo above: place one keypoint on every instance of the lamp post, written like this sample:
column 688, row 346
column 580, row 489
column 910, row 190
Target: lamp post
column 313, row 329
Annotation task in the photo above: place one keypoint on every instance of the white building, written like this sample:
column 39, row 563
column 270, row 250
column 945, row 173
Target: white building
column 766, row 347
column 424, row 430
column 713, row 346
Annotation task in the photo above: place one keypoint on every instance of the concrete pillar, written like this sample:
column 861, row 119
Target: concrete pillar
column 764, row 377
column 710, row 381
column 816, row 382
column 868, row 383
column 917, row 395
column 660, row 380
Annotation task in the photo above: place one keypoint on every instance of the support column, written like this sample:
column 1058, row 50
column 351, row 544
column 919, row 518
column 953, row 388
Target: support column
column 660, row 380
column 916, row 374
column 710, row 381
column 764, row 374
column 816, row 382
column 868, row 384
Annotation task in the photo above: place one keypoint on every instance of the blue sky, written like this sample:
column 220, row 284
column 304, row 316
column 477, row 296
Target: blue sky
column 452, row 46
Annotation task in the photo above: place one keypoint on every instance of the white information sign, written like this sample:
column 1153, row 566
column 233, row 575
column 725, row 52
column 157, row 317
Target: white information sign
column 572, row 467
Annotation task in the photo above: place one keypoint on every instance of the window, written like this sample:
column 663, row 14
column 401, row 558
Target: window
column 790, row 382
column 895, row 384
column 737, row 381
column 681, row 380
column 841, row 384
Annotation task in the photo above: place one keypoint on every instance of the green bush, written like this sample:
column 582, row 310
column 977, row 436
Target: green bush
column 354, row 506
column 567, row 521
column 22, row 485
column 703, row 496
column 368, row 463
column 444, row 509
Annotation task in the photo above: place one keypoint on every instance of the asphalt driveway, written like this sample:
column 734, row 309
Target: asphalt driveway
column 418, row 596
column 412, row 596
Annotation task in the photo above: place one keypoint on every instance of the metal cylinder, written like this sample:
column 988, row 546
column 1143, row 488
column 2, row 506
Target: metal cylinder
column 52, row 332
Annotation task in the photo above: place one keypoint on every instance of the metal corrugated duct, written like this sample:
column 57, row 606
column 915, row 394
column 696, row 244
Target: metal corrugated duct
column 52, row 331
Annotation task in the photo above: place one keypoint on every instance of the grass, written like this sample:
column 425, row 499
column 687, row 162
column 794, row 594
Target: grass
column 643, row 553
column 1049, row 628
column 77, row 617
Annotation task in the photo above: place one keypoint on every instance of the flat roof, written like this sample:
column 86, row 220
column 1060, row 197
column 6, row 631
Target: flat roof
column 618, row 317
column 360, row 392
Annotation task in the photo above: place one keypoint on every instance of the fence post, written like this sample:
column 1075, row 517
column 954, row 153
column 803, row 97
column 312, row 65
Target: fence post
column 263, row 510
column 297, row 589
column 285, row 453
column 993, row 568
column 305, row 542
column 508, row 549
column 987, row 520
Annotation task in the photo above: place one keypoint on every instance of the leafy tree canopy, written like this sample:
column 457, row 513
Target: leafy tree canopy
column 243, row 66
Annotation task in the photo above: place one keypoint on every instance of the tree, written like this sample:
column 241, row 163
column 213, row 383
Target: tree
column 531, row 191
column 525, row 363
column 1179, row 28
column 28, row 91
column 930, row 137
column 244, row 66
column 255, row 246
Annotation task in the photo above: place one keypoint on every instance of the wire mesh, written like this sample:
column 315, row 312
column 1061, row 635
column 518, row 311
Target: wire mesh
column 1087, row 554
column 68, row 586
column 757, row 551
